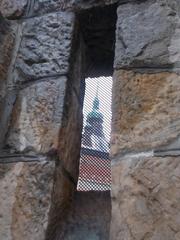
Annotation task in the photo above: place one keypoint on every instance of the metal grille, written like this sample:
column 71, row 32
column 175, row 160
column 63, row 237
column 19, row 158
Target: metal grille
column 95, row 166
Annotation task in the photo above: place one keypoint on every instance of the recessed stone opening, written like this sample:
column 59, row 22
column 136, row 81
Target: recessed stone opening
column 95, row 165
column 93, row 56
column 98, row 26
column 85, row 50
column 97, row 31
column 39, row 99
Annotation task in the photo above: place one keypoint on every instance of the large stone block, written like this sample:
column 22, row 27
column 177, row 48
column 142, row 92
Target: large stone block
column 32, row 201
column 146, row 198
column 45, row 47
column 25, row 200
column 148, row 34
column 37, row 114
column 145, row 113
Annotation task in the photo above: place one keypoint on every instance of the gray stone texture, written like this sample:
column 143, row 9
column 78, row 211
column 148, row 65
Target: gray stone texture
column 37, row 115
column 69, row 143
column 7, row 98
column 7, row 41
column 25, row 200
column 47, row 114
column 13, row 8
column 145, row 113
column 45, row 47
column 145, row 198
column 147, row 34
column 39, row 7
column 89, row 218
column 8, row 177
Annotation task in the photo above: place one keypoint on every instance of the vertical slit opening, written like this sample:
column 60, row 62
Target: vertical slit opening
column 95, row 166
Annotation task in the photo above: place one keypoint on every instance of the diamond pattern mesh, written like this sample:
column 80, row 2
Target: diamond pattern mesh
column 95, row 165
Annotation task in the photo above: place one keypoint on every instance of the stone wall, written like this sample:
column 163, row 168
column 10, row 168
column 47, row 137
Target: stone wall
column 145, row 128
column 45, row 120
column 41, row 68
column 7, row 96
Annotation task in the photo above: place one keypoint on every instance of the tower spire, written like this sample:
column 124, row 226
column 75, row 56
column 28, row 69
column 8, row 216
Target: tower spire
column 96, row 99
column 93, row 136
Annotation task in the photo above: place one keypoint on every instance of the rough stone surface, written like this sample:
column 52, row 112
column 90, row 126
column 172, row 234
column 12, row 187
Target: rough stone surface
column 148, row 34
column 47, row 113
column 145, row 113
column 40, row 7
column 90, row 217
column 25, row 200
column 145, row 199
column 45, row 47
column 8, row 183
column 33, row 197
column 36, row 116
column 7, row 42
column 13, row 8
column 69, row 143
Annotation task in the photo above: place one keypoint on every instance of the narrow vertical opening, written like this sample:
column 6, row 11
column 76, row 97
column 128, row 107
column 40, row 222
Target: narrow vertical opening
column 95, row 166
column 92, row 201
column 85, row 213
column 97, row 27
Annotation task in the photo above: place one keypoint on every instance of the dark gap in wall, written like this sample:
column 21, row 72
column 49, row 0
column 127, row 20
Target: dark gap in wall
column 98, row 26
column 97, row 30
column 73, row 214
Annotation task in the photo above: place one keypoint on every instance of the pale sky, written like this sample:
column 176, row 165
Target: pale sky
column 104, row 94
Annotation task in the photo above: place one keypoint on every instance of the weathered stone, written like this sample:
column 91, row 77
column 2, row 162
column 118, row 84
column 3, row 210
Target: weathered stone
column 6, row 106
column 25, row 200
column 69, row 144
column 13, row 8
column 32, row 201
column 85, row 4
column 17, row 8
column 40, row 7
column 147, row 34
column 8, row 183
column 145, row 113
column 45, row 47
column 37, row 114
column 145, row 198
column 7, row 42
column 89, row 218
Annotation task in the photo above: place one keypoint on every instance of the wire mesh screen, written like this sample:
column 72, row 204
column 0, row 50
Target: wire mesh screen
column 95, row 166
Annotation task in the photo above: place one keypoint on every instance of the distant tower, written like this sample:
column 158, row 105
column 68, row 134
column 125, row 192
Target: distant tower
column 93, row 136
